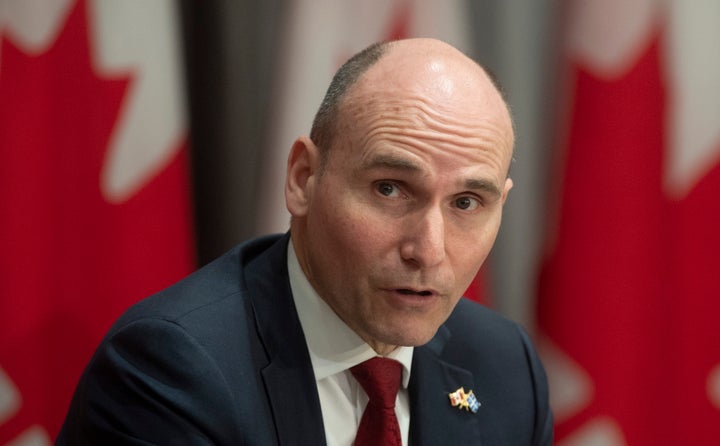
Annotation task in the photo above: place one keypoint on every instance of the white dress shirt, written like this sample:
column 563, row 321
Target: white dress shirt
column 334, row 348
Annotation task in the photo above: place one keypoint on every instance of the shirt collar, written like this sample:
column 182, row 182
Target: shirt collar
column 334, row 347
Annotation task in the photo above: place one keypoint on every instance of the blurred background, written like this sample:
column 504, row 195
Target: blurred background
column 139, row 140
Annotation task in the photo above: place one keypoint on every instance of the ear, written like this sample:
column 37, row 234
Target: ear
column 506, row 189
column 302, row 169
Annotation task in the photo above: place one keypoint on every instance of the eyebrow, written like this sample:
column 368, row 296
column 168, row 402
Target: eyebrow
column 483, row 185
column 388, row 161
column 393, row 162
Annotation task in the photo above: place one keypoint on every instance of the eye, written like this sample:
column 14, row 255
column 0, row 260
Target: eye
column 387, row 189
column 467, row 203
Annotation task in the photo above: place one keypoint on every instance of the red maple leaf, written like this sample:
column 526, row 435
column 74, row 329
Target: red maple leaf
column 71, row 262
column 630, row 289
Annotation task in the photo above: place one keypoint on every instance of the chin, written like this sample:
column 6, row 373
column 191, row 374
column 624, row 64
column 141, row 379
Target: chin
column 409, row 338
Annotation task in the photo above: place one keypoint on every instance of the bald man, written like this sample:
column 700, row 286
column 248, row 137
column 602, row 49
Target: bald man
column 396, row 199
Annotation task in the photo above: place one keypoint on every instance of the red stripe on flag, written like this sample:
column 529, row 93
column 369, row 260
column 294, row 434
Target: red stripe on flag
column 629, row 288
column 72, row 262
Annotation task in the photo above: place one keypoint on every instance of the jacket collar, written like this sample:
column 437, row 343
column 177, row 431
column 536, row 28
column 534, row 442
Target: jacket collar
column 433, row 420
column 288, row 376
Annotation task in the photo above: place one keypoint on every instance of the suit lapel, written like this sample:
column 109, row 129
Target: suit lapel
column 295, row 405
column 288, row 377
column 433, row 420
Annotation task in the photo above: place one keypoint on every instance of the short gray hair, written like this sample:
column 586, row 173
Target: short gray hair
column 324, row 127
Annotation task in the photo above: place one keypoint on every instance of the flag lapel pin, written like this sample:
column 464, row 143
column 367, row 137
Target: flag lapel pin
column 463, row 400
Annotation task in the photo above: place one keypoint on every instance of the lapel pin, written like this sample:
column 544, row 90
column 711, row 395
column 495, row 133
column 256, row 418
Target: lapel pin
column 463, row 400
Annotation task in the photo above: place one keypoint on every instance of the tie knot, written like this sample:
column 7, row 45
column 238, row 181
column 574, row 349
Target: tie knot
column 380, row 378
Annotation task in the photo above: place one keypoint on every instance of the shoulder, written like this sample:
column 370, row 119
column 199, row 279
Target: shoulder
column 468, row 313
column 218, row 289
column 197, row 316
column 193, row 345
column 473, row 323
column 504, row 362
column 201, row 312
column 478, row 336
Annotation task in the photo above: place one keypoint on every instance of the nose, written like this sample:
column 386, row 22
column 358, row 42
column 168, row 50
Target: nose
column 424, row 238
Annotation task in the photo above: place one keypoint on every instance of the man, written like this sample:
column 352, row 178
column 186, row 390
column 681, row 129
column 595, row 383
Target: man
column 396, row 199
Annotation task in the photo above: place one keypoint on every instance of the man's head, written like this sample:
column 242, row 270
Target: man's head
column 325, row 124
column 397, row 199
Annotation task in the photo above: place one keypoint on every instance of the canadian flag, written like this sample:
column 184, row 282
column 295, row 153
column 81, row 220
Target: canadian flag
column 320, row 36
column 94, row 191
column 629, row 288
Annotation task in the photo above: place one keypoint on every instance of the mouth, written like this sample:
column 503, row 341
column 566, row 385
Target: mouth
column 417, row 299
column 409, row 292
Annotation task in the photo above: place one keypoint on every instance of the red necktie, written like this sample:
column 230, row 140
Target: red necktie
column 380, row 377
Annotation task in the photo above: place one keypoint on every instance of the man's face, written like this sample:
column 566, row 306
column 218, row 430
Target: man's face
column 405, row 212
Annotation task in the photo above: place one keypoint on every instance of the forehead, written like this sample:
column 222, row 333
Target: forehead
column 436, row 96
column 460, row 132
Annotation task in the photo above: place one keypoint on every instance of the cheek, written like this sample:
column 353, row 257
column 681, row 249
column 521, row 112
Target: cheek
column 471, row 247
column 347, row 235
column 357, row 223
column 362, row 238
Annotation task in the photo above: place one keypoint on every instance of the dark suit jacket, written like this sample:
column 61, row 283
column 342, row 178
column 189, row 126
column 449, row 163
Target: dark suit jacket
column 220, row 358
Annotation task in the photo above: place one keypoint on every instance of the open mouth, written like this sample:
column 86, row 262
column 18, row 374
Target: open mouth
column 408, row 292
